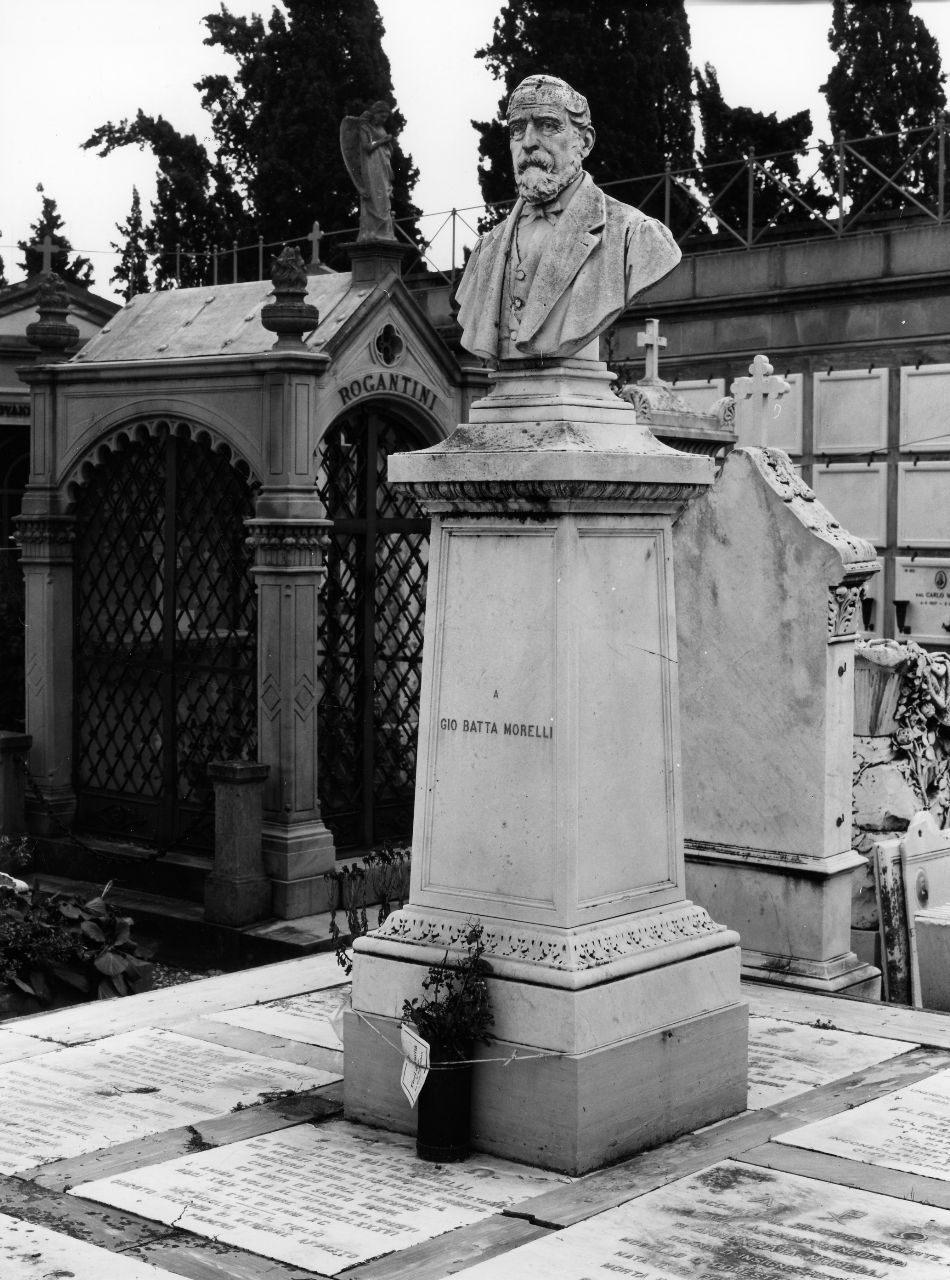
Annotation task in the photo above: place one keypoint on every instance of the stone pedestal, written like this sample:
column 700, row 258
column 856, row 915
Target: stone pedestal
column 769, row 588
column 547, row 789
column 47, row 541
column 237, row 891
column 297, row 846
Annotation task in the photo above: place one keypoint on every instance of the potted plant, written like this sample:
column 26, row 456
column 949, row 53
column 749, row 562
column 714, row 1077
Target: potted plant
column 451, row 1015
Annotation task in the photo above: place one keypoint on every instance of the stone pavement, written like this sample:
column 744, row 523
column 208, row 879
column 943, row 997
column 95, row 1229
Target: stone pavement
column 197, row 1132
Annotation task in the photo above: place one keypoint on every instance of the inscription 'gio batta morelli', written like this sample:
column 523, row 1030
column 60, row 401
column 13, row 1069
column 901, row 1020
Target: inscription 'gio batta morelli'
column 501, row 728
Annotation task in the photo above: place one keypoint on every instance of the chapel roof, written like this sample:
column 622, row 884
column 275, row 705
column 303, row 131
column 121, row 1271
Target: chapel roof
column 216, row 320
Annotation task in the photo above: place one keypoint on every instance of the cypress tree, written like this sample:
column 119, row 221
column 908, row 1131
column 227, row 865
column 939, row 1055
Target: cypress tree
column 132, row 268
column 630, row 60
column 50, row 223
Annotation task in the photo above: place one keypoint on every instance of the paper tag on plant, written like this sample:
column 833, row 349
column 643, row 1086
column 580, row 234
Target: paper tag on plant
column 415, row 1066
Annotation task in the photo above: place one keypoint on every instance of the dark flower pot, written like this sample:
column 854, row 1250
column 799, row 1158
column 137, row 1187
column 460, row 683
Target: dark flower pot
column 445, row 1113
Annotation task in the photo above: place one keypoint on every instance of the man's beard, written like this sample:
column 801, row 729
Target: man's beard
column 538, row 181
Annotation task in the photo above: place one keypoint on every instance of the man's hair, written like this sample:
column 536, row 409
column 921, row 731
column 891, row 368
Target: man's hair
column 549, row 91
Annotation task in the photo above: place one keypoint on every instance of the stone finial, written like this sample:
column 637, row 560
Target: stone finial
column 289, row 316
column 762, row 390
column 52, row 333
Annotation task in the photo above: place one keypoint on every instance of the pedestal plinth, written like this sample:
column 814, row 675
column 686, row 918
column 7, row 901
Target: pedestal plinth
column 547, row 791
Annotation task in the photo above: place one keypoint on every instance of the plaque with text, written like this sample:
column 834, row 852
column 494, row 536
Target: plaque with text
column 907, row 1130
column 322, row 1197
column 76, row 1100
column 737, row 1222
column 923, row 586
column 788, row 1058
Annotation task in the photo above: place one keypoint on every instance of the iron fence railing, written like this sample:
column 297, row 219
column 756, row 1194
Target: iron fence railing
column 829, row 189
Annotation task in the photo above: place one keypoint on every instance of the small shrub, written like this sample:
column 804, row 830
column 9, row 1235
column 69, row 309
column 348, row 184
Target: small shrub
column 381, row 875
column 52, row 943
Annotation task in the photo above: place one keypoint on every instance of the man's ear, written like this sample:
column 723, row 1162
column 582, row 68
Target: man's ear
column 588, row 137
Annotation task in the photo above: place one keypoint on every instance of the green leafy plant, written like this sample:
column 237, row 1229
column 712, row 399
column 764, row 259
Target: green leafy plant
column 381, row 876
column 54, row 943
column 454, row 1010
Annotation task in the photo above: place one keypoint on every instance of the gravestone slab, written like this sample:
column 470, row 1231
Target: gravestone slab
column 31, row 1252
column 923, row 402
column 925, row 860
column 924, row 583
column 850, row 410
column 907, row 1130
column 788, row 1058
column 72, row 1101
column 305, row 1018
column 856, row 493
column 701, row 394
column 737, row 1222
column 923, row 510
column 13, row 1047
column 324, row 1198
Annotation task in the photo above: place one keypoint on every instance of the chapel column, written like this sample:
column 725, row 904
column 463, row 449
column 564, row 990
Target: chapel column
column 286, row 535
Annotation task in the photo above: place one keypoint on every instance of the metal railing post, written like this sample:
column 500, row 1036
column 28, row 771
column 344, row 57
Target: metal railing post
column 454, row 216
column 941, row 163
column 214, row 260
column 260, row 257
column 667, row 193
column 234, row 274
column 178, row 263
column 750, row 200
column 840, row 184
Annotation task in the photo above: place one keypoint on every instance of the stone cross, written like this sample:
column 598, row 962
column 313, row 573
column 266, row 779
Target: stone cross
column 315, row 236
column 654, row 343
column 762, row 390
column 46, row 247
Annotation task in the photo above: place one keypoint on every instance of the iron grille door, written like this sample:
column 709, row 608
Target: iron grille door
column 165, row 639
column 372, row 613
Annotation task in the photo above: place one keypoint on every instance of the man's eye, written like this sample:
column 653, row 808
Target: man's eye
column 516, row 131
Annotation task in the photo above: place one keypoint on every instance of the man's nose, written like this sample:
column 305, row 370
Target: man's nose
column 531, row 137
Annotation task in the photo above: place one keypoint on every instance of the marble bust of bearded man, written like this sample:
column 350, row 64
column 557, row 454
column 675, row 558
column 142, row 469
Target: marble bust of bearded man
column 569, row 258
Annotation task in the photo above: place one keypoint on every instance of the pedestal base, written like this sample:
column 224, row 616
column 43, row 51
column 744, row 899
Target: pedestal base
column 296, row 859
column 792, row 912
column 618, row 1065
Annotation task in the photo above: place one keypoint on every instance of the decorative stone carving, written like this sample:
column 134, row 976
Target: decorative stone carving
column 289, row 316
column 367, row 153
column 52, row 333
column 844, row 608
column 548, row 949
column 288, row 544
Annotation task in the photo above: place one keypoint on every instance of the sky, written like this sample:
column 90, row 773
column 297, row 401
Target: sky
column 71, row 65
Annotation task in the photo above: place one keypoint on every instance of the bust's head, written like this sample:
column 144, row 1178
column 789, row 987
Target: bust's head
column 550, row 134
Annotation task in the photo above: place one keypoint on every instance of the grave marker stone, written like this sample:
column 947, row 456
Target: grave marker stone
column 925, row 862
column 769, row 587
column 907, row 1130
column 735, row 1221
column 324, row 1198
column 71, row 1101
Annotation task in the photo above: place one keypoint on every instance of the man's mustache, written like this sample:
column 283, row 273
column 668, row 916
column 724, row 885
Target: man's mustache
column 543, row 162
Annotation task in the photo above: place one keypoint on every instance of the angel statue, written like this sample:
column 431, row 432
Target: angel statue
column 367, row 152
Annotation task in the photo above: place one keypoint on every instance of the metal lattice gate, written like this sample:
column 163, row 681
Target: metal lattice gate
column 372, row 613
column 165, row 642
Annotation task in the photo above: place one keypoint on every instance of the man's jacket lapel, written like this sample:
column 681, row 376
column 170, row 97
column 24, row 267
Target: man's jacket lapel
column 579, row 230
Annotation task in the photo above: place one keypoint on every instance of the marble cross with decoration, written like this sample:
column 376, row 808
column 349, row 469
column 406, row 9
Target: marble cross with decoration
column 653, row 343
column 757, row 402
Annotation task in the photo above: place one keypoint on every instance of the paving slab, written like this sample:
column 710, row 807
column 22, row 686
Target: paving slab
column 81, row 1099
column 788, row 1058
column 32, row 1252
column 907, row 1130
column 326, row 1197
column 307, row 1018
column 738, row 1222
column 164, row 1007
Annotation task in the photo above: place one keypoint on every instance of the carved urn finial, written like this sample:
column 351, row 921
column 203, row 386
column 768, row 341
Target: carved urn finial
column 52, row 333
column 288, row 315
